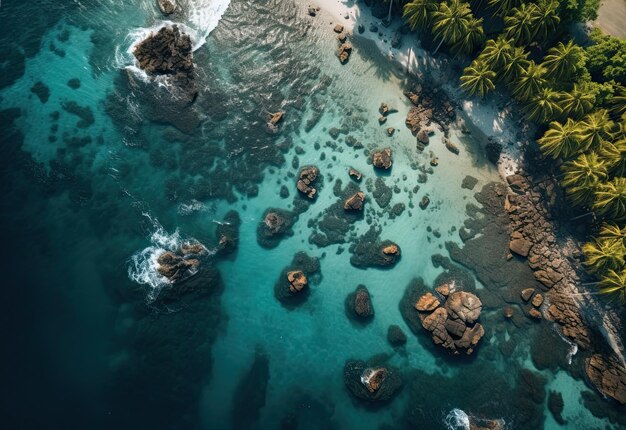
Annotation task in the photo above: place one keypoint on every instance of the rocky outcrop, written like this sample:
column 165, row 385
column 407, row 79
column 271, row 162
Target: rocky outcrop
column 452, row 325
column 181, row 263
column 275, row 225
column 381, row 159
column 371, row 383
column 344, row 51
column 608, row 375
column 355, row 202
column 359, row 305
column 355, row 174
column 306, row 178
column 167, row 7
column 166, row 52
column 227, row 233
column 429, row 105
column 292, row 286
column 368, row 251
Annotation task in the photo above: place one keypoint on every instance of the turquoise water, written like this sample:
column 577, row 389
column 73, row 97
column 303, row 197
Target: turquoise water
column 101, row 178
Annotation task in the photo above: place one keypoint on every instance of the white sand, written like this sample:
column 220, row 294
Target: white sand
column 493, row 116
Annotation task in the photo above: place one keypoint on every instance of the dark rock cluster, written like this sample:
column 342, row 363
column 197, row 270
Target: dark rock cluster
column 306, row 179
column 181, row 263
column 381, row 158
column 369, row 251
column 372, row 381
column 166, row 52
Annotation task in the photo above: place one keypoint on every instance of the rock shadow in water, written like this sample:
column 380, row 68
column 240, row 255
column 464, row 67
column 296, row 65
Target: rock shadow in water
column 249, row 396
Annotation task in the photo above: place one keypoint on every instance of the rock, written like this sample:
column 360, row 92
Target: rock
column 355, row 174
column 508, row 312
column 359, row 304
column 469, row 182
column 373, row 28
column 297, row 281
column 556, row 405
column 392, row 250
column 395, row 336
column 519, row 245
column 371, row 383
column 166, row 52
column 344, row 52
column 427, row 303
column 424, row 202
column 434, row 162
column 527, row 293
column 451, row 146
column 192, row 248
column 275, row 118
column 464, row 306
column 275, row 225
column 396, row 40
column 227, row 233
column 312, row 11
column 383, row 109
column 342, row 37
column 390, row 131
column 548, row 276
column 338, row 28
column 470, row 338
column 534, row 313
column 493, row 151
column 537, row 300
column 177, row 265
column 361, row 28
column 422, row 136
column 381, row 159
column 517, row 184
column 608, row 375
column 307, row 176
column 444, row 290
column 167, row 7
column 355, row 202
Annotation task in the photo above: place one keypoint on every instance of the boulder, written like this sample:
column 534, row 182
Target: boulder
column 297, row 280
column 275, row 225
column 424, row 202
column 275, row 118
column 451, row 146
column 381, row 159
column 354, row 202
column 422, row 136
column 527, row 293
column 355, row 174
column 537, row 300
column 382, row 120
column 391, row 250
column 534, row 313
column 444, row 290
column 464, row 306
column 307, row 176
column 548, row 276
column 427, row 303
column 371, row 383
column 434, row 161
column 520, row 245
column 344, row 51
column 312, row 11
column 338, row 28
column 469, row 182
column 390, row 131
column 383, row 109
column 359, row 304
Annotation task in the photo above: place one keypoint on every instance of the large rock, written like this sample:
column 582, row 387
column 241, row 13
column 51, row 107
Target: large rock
column 355, row 202
column 297, row 281
column 344, row 51
column 359, row 304
column 307, row 177
column 395, row 336
column 381, row 159
column 178, row 264
column 519, row 244
column 293, row 284
column 166, row 52
column 427, row 303
column 371, row 383
column 464, row 306
column 608, row 375
column 275, row 226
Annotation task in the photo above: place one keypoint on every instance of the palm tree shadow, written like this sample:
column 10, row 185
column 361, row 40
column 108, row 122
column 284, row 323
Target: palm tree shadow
column 377, row 61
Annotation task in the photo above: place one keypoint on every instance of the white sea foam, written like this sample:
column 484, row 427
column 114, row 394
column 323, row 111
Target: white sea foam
column 457, row 420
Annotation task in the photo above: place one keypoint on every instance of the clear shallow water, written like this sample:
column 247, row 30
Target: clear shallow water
column 90, row 351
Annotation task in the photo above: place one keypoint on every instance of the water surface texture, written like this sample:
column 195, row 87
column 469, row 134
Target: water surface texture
column 102, row 171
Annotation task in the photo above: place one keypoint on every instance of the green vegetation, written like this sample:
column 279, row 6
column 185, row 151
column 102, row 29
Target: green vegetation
column 576, row 95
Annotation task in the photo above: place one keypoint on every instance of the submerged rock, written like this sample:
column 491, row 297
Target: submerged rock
column 167, row 7
column 555, row 406
column 228, row 233
column 395, row 336
column 275, row 225
column 355, row 174
column 381, row 159
column 359, row 305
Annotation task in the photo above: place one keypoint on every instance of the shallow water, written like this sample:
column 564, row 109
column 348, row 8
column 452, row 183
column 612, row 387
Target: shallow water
column 94, row 188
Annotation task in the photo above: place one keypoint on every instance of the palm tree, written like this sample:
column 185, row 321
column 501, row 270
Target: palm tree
column 613, row 231
column 503, row 7
column 451, row 20
column 496, row 53
column 563, row 61
column 595, row 128
column 581, row 177
column 544, row 106
column 418, row 13
column 520, row 24
column 561, row 140
column 546, row 19
column 577, row 103
column 478, row 78
column 614, row 282
column 614, row 154
column 603, row 255
column 611, row 199
column 530, row 82
column 618, row 101
column 473, row 37
column 515, row 64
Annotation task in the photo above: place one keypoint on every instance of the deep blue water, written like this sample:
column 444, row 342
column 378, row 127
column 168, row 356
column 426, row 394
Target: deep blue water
column 101, row 172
